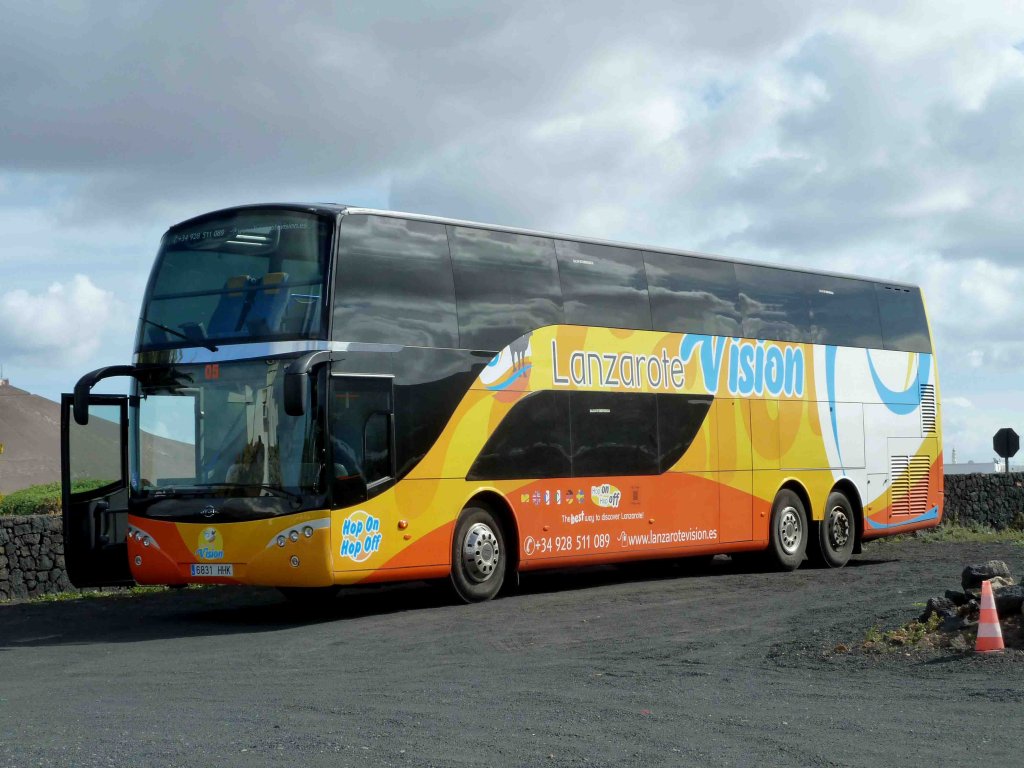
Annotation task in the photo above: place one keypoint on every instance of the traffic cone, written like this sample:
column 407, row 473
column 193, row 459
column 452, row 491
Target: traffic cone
column 990, row 636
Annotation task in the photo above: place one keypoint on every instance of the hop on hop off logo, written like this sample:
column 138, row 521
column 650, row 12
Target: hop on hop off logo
column 607, row 496
column 360, row 536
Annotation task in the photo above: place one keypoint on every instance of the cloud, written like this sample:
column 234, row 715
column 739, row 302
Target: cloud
column 65, row 324
column 868, row 138
column 956, row 402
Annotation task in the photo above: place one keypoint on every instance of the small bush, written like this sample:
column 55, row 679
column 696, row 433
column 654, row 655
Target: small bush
column 42, row 499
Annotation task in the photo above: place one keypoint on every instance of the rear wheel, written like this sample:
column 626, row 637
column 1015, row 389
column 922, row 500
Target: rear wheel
column 836, row 533
column 788, row 534
column 478, row 555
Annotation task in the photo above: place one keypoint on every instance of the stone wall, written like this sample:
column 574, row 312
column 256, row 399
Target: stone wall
column 31, row 556
column 996, row 500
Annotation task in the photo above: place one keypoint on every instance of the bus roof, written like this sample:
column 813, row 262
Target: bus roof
column 336, row 208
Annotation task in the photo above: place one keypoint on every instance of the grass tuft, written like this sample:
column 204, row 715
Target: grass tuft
column 43, row 499
column 971, row 533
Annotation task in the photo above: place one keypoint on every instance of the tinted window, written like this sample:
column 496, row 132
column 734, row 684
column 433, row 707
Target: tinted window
column 429, row 385
column 394, row 283
column 506, row 285
column 239, row 277
column 844, row 312
column 614, row 434
column 359, row 434
column 679, row 419
column 531, row 441
column 603, row 286
column 692, row 295
column 773, row 303
column 904, row 326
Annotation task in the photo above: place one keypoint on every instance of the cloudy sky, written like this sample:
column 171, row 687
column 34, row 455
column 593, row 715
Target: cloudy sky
column 840, row 135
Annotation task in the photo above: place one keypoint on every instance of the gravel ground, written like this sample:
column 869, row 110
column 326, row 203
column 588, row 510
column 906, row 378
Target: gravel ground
column 642, row 665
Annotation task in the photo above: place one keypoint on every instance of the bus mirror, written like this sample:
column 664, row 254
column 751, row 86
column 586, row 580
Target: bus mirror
column 296, row 397
column 296, row 381
column 80, row 404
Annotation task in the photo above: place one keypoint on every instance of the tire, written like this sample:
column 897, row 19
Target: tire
column 836, row 534
column 479, row 556
column 788, row 533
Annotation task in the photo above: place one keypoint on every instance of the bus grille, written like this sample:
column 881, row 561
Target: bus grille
column 928, row 409
column 910, row 484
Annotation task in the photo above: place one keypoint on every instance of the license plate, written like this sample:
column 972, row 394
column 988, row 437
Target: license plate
column 213, row 569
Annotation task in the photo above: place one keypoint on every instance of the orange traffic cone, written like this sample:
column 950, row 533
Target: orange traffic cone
column 990, row 636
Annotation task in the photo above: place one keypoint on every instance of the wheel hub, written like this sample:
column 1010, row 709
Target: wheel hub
column 789, row 530
column 480, row 552
column 838, row 527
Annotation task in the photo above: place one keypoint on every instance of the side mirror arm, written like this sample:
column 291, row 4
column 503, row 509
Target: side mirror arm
column 80, row 405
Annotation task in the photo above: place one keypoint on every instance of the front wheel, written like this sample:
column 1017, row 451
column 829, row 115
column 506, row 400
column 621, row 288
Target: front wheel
column 836, row 533
column 478, row 555
column 788, row 534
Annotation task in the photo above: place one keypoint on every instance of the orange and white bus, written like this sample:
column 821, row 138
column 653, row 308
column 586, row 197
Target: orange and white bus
column 325, row 395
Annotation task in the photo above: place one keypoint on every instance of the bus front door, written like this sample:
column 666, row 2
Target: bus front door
column 94, row 480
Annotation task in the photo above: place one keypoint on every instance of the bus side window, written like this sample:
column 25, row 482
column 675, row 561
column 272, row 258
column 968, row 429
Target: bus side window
column 506, row 286
column 532, row 441
column 774, row 303
column 692, row 295
column 603, row 285
column 680, row 418
column 614, row 434
column 377, row 448
column 904, row 327
column 394, row 284
column 844, row 312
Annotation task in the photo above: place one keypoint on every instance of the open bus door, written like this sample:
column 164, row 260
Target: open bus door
column 94, row 480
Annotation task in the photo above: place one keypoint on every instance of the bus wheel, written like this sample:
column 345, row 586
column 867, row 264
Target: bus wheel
column 478, row 555
column 788, row 534
column 836, row 533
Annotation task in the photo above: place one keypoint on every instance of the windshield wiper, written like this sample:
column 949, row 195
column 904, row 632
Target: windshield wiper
column 262, row 486
column 203, row 342
column 199, row 490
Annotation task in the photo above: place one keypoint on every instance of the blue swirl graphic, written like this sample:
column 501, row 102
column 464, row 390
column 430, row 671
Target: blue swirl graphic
column 905, row 402
column 931, row 514
column 505, row 384
column 830, row 382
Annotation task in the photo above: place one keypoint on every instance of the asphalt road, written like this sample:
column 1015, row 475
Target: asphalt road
column 645, row 666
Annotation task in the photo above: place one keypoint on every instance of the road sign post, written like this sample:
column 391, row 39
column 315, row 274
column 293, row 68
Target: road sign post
column 1006, row 443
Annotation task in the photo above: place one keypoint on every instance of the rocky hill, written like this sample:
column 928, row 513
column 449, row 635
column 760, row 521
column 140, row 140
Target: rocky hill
column 30, row 433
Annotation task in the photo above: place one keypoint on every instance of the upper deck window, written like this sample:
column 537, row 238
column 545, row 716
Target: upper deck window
column 693, row 295
column 505, row 285
column 246, row 276
column 904, row 325
column 603, row 285
column 774, row 303
column 395, row 283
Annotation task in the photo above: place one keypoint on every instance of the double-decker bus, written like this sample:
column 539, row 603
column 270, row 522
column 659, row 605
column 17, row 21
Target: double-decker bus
column 324, row 395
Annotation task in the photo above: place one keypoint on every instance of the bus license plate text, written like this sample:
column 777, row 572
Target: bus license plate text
column 213, row 569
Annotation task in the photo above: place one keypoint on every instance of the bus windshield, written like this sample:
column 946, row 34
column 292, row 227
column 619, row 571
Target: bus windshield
column 221, row 429
column 246, row 276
